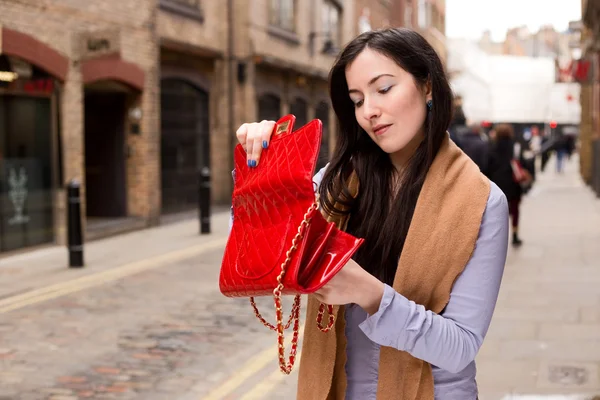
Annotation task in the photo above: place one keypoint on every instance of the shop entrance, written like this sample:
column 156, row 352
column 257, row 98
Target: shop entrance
column 185, row 143
column 105, row 153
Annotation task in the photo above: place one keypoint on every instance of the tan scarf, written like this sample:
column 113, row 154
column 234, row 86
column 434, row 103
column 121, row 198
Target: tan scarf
column 440, row 241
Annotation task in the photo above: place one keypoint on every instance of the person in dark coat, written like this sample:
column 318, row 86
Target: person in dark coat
column 476, row 146
column 500, row 172
column 459, row 121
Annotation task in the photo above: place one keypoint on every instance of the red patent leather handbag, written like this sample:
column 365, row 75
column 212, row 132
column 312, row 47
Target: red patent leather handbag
column 280, row 243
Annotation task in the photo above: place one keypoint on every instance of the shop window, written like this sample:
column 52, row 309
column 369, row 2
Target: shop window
column 26, row 208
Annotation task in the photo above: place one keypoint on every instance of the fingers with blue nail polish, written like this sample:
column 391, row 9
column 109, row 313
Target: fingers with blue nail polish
column 255, row 137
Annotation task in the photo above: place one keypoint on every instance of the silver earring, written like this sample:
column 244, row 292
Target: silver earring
column 429, row 104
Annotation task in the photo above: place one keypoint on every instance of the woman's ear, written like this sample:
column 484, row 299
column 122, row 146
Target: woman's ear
column 428, row 90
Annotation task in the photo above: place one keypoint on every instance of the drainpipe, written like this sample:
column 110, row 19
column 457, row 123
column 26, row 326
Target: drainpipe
column 231, row 83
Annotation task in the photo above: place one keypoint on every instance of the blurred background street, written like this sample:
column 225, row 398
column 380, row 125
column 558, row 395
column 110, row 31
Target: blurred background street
column 117, row 122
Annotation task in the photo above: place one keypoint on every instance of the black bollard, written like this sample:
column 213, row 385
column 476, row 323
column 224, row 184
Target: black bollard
column 74, row 233
column 204, row 200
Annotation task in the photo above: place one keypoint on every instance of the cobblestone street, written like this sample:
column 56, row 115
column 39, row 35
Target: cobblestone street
column 154, row 334
column 145, row 320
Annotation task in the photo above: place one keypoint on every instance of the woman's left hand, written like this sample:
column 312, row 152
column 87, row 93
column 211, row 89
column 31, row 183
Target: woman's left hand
column 353, row 285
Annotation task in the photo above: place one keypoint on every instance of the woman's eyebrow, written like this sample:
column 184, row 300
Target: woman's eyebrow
column 372, row 81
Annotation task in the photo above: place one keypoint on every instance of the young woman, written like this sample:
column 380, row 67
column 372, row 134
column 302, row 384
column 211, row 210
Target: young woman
column 501, row 173
column 415, row 302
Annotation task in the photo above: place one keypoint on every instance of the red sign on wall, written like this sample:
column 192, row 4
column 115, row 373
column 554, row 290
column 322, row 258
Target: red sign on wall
column 581, row 70
column 39, row 86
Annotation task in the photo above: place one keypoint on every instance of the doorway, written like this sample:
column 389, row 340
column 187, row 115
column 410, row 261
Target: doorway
column 185, row 143
column 106, row 194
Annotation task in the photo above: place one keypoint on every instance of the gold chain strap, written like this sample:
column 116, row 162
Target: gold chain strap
column 286, row 368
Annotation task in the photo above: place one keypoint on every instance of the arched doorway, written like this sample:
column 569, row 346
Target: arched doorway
column 299, row 108
column 269, row 107
column 322, row 113
column 111, row 86
column 185, row 143
column 105, row 150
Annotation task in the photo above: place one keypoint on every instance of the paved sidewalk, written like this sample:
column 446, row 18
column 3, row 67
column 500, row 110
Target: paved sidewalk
column 46, row 266
column 545, row 335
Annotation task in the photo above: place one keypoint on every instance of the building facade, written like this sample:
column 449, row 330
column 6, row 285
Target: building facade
column 195, row 128
column 78, row 101
column 283, row 52
column 133, row 98
column 429, row 18
column 587, row 71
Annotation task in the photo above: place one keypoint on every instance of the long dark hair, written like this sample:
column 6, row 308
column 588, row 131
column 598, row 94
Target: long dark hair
column 379, row 214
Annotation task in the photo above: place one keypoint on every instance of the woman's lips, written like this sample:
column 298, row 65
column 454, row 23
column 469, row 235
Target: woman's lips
column 381, row 129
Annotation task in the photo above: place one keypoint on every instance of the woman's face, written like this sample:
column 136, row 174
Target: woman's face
column 388, row 104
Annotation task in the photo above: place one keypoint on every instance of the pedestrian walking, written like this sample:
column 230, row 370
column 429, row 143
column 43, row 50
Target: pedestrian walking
column 564, row 148
column 414, row 304
column 475, row 145
column 503, row 159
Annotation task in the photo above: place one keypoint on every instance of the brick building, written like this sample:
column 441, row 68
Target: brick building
column 79, row 101
column 429, row 18
column 132, row 98
column 377, row 14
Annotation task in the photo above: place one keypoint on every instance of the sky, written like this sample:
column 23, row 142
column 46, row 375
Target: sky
column 469, row 18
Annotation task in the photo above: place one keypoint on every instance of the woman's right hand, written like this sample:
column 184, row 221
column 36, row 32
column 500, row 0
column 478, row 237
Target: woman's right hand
column 254, row 137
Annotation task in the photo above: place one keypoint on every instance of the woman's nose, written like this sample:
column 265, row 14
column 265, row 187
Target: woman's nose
column 371, row 109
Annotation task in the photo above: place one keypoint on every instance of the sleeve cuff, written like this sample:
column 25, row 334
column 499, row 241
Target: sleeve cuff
column 393, row 311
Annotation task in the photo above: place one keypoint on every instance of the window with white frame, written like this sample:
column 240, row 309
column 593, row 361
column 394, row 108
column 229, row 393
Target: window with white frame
column 282, row 14
column 331, row 17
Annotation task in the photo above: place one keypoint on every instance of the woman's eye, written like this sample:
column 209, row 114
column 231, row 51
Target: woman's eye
column 358, row 103
column 385, row 89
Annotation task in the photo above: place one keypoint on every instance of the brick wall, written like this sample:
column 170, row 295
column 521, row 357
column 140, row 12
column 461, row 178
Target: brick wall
column 209, row 34
column 59, row 24
column 197, row 49
column 382, row 14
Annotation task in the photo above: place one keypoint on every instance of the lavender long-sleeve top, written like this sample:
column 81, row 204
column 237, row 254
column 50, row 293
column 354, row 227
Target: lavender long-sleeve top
column 449, row 341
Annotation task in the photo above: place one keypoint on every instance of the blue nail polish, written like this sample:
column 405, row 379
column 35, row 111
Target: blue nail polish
column 254, row 163
column 265, row 144
column 249, row 163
